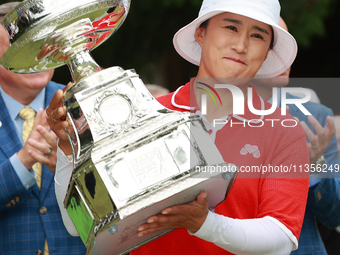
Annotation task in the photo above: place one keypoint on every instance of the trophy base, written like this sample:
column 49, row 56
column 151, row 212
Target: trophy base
column 122, row 237
column 117, row 233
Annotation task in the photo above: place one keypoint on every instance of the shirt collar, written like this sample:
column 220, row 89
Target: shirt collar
column 14, row 107
column 184, row 98
column 181, row 97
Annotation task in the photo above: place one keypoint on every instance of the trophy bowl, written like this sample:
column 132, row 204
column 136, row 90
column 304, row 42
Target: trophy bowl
column 132, row 156
column 47, row 34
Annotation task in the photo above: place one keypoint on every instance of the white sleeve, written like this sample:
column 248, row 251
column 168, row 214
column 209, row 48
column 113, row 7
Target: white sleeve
column 62, row 178
column 250, row 236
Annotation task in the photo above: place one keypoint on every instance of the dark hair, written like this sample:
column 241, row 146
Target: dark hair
column 111, row 9
column 206, row 22
column 271, row 46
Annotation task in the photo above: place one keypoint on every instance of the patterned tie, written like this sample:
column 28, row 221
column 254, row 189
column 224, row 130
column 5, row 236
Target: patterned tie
column 28, row 114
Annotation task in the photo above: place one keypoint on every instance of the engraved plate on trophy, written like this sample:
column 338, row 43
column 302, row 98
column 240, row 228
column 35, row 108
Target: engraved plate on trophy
column 132, row 156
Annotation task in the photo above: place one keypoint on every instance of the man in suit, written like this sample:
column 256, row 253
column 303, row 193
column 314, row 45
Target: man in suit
column 30, row 220
column 324, row 193
column 331, row 237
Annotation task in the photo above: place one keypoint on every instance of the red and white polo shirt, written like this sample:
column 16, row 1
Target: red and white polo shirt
column 271, row 142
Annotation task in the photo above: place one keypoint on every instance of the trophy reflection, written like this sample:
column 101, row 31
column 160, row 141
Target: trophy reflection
column 132, row 156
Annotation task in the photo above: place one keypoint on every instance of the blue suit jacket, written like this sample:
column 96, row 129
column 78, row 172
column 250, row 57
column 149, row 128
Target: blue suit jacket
column 23, row 228
column 323, row 198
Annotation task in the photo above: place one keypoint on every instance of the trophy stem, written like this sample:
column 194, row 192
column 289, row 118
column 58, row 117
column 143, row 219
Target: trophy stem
column 82, row 65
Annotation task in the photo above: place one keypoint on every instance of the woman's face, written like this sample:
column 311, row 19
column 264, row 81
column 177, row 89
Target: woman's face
column 233, row 46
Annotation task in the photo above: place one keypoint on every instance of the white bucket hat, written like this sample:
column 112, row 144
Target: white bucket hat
column 279, row 59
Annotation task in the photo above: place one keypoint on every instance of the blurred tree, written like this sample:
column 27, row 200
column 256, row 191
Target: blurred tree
column 305, row 18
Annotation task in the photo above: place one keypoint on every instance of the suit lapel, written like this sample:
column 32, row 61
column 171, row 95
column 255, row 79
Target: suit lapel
column 47, row 176
column 46, row 181
column 35, row 190
column 49, row 92
column 10, row 142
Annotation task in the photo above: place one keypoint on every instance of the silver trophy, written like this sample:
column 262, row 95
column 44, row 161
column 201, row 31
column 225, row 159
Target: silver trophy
column 132, row 156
